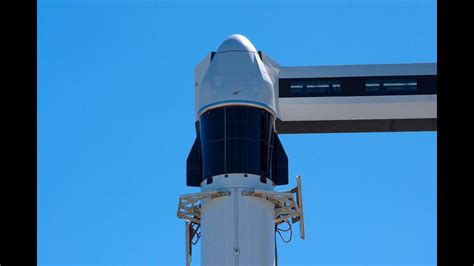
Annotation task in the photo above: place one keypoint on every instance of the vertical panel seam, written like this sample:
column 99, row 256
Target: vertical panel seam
column 236, row 225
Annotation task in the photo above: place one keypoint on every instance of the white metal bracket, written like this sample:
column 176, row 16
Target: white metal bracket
column 189, row 209
column 284, row 203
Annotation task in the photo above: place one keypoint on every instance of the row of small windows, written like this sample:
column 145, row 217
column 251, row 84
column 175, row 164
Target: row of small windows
column 334, row 87
column 357, row 86
column 301, row 88
column 378, row 86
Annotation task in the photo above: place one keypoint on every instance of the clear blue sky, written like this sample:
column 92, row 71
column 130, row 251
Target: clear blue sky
column 115, row 125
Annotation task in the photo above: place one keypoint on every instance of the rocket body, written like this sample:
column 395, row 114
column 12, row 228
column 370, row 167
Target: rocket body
column 237, row 230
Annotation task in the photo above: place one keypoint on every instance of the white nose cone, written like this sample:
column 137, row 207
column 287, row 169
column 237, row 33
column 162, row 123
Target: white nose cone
column 236, row 76
column 237, row 42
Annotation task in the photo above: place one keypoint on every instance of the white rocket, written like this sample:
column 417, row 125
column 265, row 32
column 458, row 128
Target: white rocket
column 236, row 160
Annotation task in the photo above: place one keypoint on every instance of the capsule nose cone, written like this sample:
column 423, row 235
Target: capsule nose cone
column 237, row 42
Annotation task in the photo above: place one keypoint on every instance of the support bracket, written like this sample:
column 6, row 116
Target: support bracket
column 285, row 206
column 189, row 209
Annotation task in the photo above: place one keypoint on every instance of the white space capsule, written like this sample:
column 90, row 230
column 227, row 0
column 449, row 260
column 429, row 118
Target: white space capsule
column 235, row 118
column 236, row 75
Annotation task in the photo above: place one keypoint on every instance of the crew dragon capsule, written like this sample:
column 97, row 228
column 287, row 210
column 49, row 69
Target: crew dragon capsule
column 235, row 112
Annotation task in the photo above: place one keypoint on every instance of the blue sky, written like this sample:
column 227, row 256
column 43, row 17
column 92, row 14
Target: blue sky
column 115, row 125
